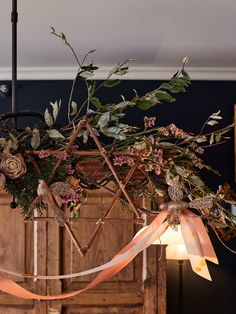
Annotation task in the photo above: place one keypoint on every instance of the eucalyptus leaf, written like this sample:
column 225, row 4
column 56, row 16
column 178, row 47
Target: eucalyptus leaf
column 74, row 108
column 162, row 95
column 124, row 104
column 35, row 141
column 218, row 137
column 212, row 122
column 117, row 116
column 86, row 74
column 169, row 176
column 111, row 83
column 118, row 136
column 55, row 109
column 216, row 117
column 63, row 37
column 122, row 71
column 201, row 139
column 96, row 102
column 212, row 139
column 196, row 181
column 85, row 136
column 145, row 104
column 216, row 113
column 55, row 134
column 104, row 119
column 48, row 118
column 91, row 88
column 14, row 142
column 181, row 171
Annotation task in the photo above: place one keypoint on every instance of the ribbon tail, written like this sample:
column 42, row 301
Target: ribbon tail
column 124, row 257
column 207, row 247
column 194, row 247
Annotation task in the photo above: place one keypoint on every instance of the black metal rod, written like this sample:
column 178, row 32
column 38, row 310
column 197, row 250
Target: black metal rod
column 14, row 20
column 180, row 263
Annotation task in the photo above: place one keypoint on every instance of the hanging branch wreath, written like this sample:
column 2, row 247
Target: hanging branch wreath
column 168, row 159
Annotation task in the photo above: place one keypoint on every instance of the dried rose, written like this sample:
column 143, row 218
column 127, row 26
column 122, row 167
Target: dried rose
column 13, row 166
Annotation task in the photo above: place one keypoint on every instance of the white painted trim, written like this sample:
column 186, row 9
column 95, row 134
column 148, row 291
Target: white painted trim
column 136, row 73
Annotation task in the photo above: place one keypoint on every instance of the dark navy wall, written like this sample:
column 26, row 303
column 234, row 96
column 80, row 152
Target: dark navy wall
column 188, row 112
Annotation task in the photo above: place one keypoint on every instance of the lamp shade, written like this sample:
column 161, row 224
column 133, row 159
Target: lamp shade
column 170, row 236
column 176, row 252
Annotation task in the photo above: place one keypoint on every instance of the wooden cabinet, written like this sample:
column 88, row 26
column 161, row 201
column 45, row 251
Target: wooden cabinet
column 45, row 248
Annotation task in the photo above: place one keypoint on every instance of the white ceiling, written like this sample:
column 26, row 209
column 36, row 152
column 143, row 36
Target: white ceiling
column 157, row 33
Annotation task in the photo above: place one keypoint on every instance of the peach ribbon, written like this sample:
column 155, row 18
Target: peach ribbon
column 195, row 236
column 119, row 261
column 198, row 243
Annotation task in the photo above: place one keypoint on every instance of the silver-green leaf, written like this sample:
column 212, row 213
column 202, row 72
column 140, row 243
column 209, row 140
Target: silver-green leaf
column 55, row 134
column 74, row 108
column 104, row 119
column 48, row 118
column 35, row 141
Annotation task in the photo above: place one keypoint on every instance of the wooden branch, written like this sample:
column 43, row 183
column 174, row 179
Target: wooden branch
column 110, row 165
column 73, row 238
column 114, row 200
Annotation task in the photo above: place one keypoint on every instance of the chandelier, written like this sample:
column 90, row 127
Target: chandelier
column 154, row 171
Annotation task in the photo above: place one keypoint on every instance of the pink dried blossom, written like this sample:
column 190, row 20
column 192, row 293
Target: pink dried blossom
column 178, row 132
column 122, row 160
column 44, row 153
column 61, row 155
column 148, row 168
column 73, row 149
column 72, row 197
column 197, row 162
column 158, row 153
column 157, row 169
column 149, row 122
column 199, row 150
column 164, row 131
column 133, row 151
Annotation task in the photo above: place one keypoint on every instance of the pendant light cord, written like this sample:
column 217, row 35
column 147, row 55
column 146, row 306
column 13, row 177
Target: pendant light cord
column 14, row 20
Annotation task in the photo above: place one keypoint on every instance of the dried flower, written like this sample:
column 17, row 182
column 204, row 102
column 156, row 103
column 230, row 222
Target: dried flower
column 13, row 166
column 163, row 131
column 61, row 155
column 44, row 153
column 149, row 122
column 122, row 160
column 178, row 132
column 73, row 149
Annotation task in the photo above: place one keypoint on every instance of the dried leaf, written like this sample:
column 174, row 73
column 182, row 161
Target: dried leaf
column 104, row 119
column 216, row 117
column 48, row 118
column 212, row 122
column 55, row 134
column 35, row 141
column 86, row 74
column 74, row 108
column 14, row 142
column 211, row 139
column 55, row 109
column 111, row 83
